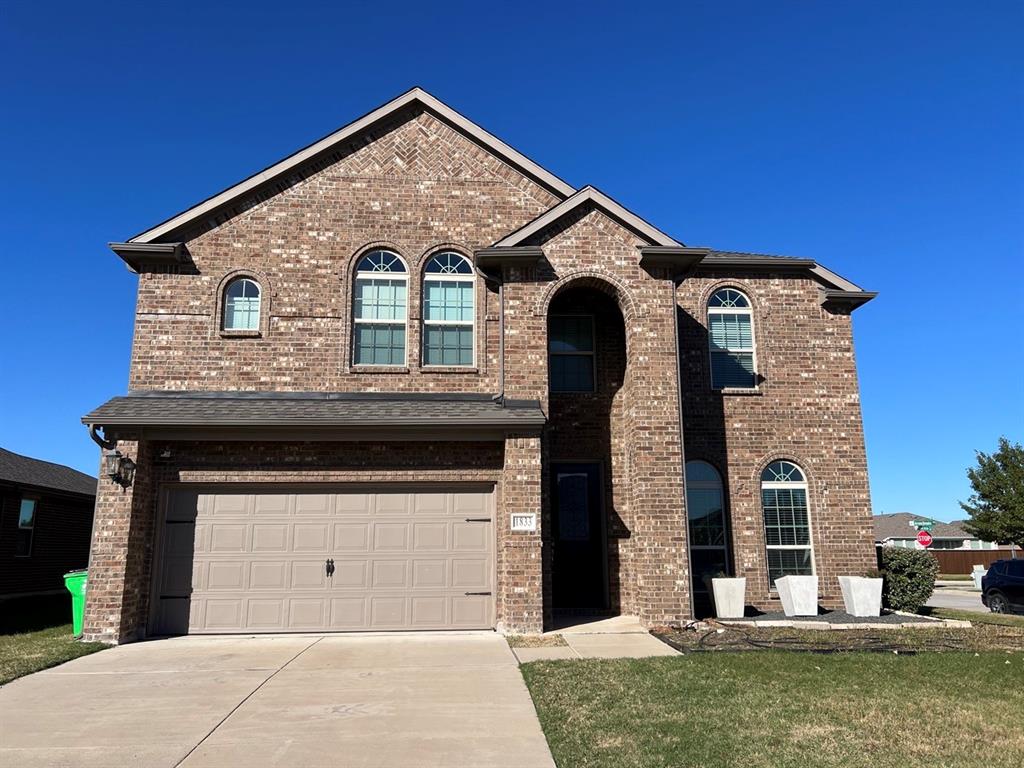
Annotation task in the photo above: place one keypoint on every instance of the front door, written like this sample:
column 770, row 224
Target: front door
column 579, row 560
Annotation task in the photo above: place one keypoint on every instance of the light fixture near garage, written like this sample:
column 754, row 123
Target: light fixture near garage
column 120, row 469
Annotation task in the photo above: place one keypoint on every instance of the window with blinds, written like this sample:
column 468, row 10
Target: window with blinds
column 731, row 340
column 448, row 309
column 787, row 526
column 379, row 313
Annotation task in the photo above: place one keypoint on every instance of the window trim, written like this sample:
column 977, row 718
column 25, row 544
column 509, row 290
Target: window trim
column 19, row 527
column 592, row 354
column 789, row 485
column 230, row 281
column 356, row 321
column 471, row 278
column 747, row 310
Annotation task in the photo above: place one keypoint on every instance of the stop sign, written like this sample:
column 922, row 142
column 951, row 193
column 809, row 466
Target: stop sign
column 924, row 538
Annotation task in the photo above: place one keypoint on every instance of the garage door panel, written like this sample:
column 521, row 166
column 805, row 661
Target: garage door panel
column 352, row 537
column 310, row 537
column 270, row 537
column 255, row 561
column 349, row 574
column 268, row 574
column 228, row 537
column 225, row 575
column 391, row 536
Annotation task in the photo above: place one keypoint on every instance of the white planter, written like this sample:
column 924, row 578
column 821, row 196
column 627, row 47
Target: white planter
column 799, row 595
column 730, row 597
column 861, row 596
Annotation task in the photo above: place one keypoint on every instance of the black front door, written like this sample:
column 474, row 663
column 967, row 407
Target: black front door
column 579, row 558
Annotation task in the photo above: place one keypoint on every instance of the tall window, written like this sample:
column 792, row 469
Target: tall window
column 26, row 528
column 706, row 513
column 448, row 310
column 379, row 310
column 242, row 305
column 731, row 337
column 571, row 353
column 787, row 526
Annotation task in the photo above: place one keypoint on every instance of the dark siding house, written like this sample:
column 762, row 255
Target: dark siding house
column 45, row 522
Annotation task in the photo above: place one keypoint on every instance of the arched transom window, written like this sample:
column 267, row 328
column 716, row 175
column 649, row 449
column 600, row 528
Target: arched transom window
column 449, row 285
column 731, row 338
column 380, row 298
column 241, row 305
column 787, row 525
column 705, row 508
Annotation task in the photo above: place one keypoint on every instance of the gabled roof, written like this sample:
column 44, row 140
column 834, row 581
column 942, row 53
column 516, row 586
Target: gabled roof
column 588, row 195
column 897, row 526
column 23, row 470
column 412, row 97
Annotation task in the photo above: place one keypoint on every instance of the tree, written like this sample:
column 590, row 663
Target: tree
column 997, row 505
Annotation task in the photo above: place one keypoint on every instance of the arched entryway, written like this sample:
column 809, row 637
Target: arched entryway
column 586, row 447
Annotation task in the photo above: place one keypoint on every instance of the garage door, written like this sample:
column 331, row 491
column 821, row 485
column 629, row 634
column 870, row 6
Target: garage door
column 250, row 560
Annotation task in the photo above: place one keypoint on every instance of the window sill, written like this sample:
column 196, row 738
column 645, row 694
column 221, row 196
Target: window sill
column 740, row 392
column 450, row 369
column 240, row 334
column 379, row 369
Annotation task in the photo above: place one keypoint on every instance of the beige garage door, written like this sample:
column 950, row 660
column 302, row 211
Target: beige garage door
column 249, row 560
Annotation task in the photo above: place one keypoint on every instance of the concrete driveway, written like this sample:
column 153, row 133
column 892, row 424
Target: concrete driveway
column 411, row 700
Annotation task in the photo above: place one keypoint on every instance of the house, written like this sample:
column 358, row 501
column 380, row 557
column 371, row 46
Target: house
column 406, row 378
column 45, row 523
column 899, row 529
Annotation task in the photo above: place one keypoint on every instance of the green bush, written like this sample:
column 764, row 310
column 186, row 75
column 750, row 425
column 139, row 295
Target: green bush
column 909, row 578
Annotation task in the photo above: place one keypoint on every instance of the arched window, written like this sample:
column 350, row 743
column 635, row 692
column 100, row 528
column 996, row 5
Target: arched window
column 709, row 553
column 241, row 305
column 379, row 309
column 731, row 338
column 448, row 310
column 787, row 525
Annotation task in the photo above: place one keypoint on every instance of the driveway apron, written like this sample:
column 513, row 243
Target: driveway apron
column 397, row 700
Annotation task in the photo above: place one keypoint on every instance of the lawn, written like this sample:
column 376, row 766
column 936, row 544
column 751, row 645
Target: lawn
column 35, row 633
column 784, row 708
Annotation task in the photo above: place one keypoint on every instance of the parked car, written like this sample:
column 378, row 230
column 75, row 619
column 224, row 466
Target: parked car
column 1002, row 588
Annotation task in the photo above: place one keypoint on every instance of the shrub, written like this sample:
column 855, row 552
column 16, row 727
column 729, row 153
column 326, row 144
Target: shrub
column 909, row 577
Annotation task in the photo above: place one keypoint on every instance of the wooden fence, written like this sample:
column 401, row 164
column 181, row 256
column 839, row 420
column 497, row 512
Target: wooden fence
column 963, row 560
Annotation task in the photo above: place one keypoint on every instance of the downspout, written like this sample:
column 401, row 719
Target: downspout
column 102, row 442
column 500, row 397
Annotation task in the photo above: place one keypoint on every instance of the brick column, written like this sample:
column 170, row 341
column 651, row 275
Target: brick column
column 520, row 599
column 657, row 497
column 117, row 594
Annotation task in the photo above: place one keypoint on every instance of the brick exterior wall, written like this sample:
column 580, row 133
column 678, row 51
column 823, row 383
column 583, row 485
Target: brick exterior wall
column 416, row 186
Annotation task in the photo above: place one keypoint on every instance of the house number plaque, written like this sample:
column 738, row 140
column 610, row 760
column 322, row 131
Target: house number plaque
column 524, row 522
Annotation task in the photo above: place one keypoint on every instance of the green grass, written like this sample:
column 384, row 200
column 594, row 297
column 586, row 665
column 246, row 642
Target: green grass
column 994, row 619
column 780, row 709
column 35, row 633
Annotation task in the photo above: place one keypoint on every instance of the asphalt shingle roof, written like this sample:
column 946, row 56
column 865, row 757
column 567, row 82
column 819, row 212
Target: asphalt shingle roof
column 234, row 409
column 897, row 526
column 23, row 470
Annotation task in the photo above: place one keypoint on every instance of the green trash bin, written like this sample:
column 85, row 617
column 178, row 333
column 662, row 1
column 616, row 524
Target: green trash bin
column 75, row 582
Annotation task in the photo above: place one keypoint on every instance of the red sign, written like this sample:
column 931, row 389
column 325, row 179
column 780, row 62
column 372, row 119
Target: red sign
column 924, row 538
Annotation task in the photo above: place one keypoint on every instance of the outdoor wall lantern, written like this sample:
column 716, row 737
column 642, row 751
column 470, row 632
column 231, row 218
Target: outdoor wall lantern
column 120, row 469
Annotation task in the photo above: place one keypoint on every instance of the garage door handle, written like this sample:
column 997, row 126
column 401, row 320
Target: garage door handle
column 478, row 519
column 329, row 567
column 478, row 593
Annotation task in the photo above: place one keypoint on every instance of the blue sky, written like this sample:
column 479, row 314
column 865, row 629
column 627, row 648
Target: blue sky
column 882, row 138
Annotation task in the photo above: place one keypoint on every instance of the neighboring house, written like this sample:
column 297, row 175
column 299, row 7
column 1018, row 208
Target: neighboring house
column 407, row 378
column 45, row 522
column 898, row 530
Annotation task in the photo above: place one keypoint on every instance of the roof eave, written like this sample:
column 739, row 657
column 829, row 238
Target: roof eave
column 137, row 256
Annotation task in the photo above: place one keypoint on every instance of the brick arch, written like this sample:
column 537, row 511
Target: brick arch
column 588, row 278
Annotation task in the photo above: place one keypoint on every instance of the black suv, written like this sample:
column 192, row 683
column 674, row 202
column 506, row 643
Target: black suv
column 1002, row 588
